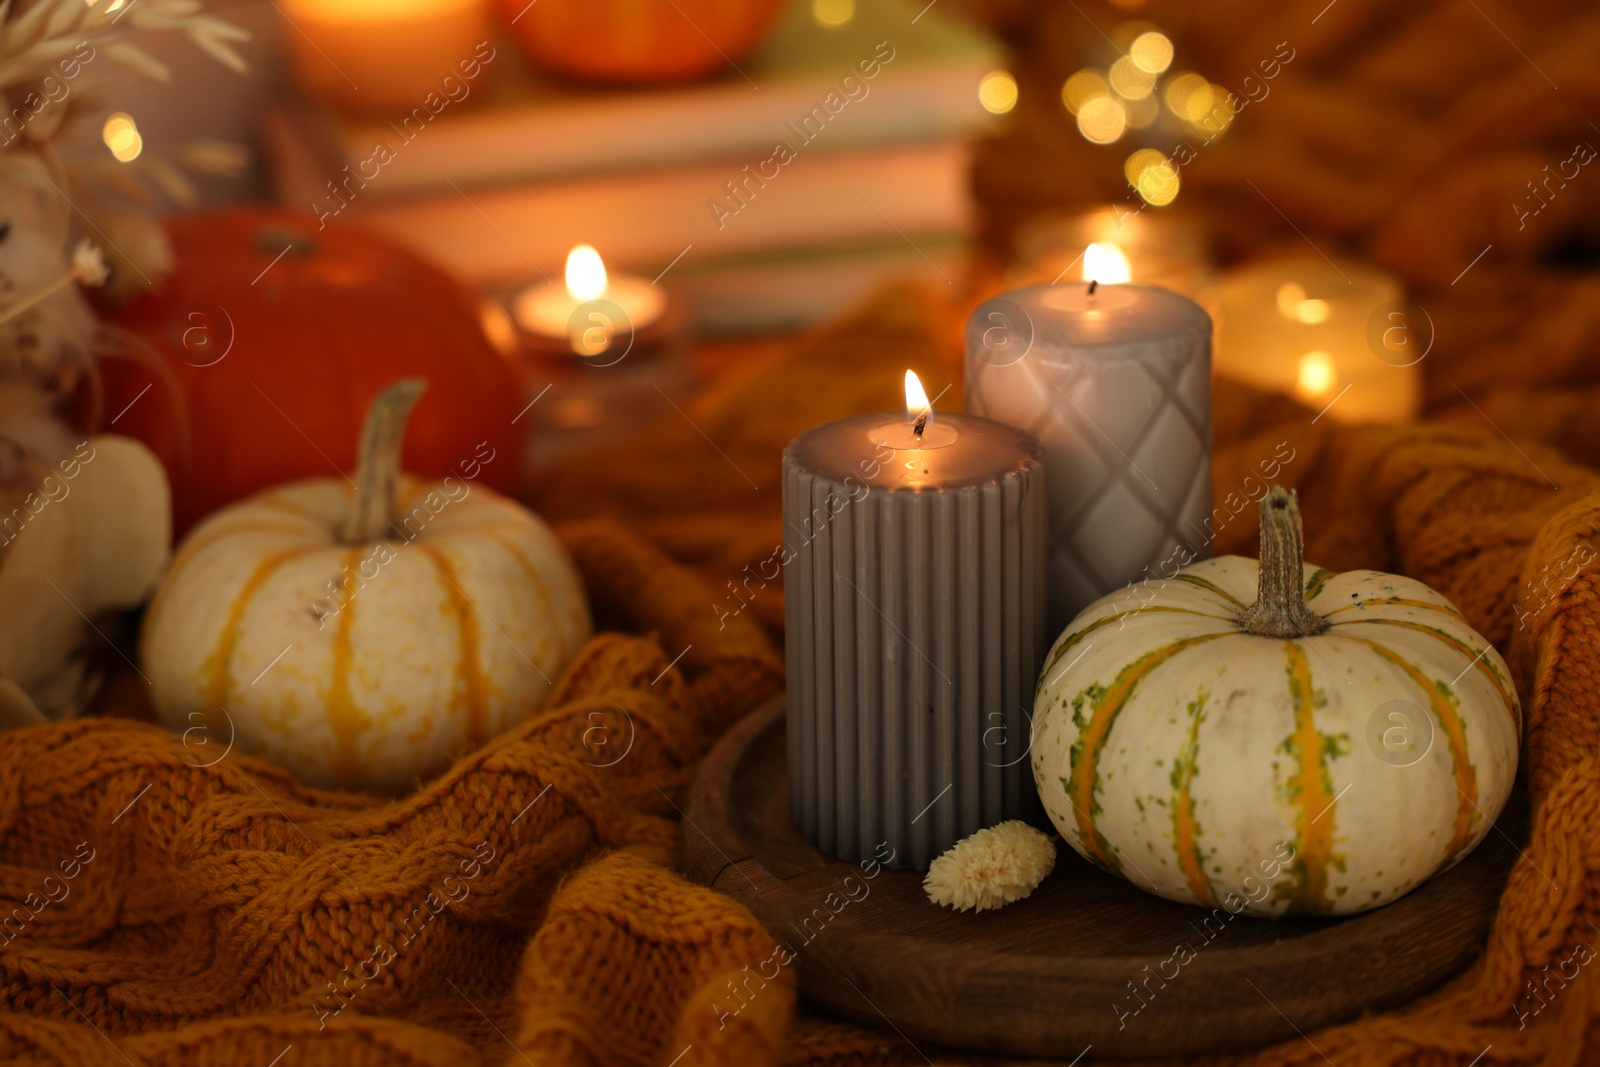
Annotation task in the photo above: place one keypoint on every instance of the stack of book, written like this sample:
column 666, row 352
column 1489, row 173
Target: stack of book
column 832, row 158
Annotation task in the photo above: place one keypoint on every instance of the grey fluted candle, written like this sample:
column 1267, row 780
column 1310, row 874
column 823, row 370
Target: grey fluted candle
column 915, row 608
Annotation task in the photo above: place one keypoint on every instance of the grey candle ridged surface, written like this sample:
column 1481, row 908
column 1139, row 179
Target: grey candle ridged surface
column 915, row 631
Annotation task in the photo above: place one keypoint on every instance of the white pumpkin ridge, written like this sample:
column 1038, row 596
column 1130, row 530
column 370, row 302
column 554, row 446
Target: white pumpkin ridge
column 455, row 634
column 1177, row 745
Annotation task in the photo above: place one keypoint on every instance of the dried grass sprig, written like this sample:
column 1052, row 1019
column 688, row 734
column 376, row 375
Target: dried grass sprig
column 33, row 41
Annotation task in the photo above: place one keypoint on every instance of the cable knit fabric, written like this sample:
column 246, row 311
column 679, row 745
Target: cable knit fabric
column 159, row 905
column 167, row 906
column 161, row 910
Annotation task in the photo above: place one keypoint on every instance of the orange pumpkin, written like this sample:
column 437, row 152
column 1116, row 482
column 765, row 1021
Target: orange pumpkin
column 273, row 339
column 639, row 40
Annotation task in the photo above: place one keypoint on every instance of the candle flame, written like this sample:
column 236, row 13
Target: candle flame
column 918, row 409
column 1105, row 263
column 1317, row 374
column 586, row 273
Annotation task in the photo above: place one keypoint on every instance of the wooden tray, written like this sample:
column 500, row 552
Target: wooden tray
column 1048, row 975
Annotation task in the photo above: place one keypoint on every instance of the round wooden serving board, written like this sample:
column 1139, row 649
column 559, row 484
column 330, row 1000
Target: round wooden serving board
column 1051, row 975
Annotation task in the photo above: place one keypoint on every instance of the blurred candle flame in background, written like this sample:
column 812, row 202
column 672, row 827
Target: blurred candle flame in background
column 1316, row 375
column 586, row 273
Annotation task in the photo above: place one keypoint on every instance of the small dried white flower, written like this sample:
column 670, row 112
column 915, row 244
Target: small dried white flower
column 89, row 264
column 991, row 868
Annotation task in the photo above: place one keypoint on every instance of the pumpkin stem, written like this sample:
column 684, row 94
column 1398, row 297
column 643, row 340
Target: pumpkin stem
column 378, row 465
column 1280, row 608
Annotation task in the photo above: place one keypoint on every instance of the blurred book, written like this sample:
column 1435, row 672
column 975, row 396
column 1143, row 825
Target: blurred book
column 643, row 222
column 797, row 151
column 748, row 294
column 524, row 127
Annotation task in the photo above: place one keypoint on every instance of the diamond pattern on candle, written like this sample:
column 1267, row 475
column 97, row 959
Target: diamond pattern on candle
column 1129, row 442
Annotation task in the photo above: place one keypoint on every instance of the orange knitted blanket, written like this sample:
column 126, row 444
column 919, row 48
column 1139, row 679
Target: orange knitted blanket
column 524, row 908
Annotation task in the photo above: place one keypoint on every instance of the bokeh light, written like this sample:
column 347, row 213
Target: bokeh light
column 1152, row 176
column 121, row 135
column 1140, row 160
column 1102, row 120
column 1317, row 375
column 833, row 13
column 1129, row 81
column 1158, row 184
column 1292, row 304
column 1220, row 116
column 1151, row 52
column 1082, row 87
column 997, row 92
column 1189, row 96
column 1312, row 311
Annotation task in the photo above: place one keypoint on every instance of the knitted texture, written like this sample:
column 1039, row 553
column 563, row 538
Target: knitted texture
column 169, row 906
column 223, row 913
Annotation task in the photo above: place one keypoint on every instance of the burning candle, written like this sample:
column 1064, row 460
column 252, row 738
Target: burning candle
column 913, row 592
column 1154, row 249
column 1116, row 382
column 1339, row 337
column 592, row 308
column 386, row 57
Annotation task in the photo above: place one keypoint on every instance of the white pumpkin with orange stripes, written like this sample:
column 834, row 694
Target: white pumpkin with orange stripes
column 1275, row 738
column 363, row 634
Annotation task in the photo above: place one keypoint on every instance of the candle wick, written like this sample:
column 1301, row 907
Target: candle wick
column 1092, row 283
column 922, row 424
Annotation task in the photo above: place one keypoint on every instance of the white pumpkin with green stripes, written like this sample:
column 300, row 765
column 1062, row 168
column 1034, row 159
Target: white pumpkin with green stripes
column 1275, row 738
column 362, row 633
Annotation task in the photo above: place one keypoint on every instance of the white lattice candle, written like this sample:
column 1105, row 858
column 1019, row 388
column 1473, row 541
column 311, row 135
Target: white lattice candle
column 1115, row 380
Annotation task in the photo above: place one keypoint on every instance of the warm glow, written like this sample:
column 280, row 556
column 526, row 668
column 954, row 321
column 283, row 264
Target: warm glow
column 1151, row 52
column 1141, row 112
column 1290, row 296
column 1220, row 114
column 498, row 327
column 1153, row 176
column 1316, row 375
column 586, row 274
column 1105, row 263
column 1189, row 97
column 1312, row 311
column 377, row 11
column 1158, row 184
column 1129, row 81
column 833, row 12
column 1292, row 304
column 917, row 406
column 1082, row 87
column 1102, row 120
column 122, row 136
column 1139, row 162
column 997, row 92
